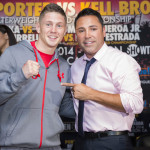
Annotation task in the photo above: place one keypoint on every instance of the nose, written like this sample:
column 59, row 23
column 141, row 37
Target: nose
column 87, row 34
column 53, row 29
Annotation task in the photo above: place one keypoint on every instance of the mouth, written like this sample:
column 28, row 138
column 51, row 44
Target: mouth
column 52, row 37
column 88, row 43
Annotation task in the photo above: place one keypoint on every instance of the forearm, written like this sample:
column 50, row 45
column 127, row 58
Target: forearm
column 109, row 100
column 83, row 92
column 66, row 107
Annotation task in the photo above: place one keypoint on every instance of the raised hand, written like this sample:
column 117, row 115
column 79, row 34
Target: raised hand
column 30, row 68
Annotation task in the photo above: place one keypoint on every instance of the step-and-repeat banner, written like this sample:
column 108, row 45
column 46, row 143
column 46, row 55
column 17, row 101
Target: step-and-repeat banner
column 127, row 24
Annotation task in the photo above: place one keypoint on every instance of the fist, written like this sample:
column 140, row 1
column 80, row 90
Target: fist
column 30, row 68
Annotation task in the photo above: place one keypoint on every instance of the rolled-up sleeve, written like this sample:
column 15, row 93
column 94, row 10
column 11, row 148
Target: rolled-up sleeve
column 131, row 94
column 129, row 85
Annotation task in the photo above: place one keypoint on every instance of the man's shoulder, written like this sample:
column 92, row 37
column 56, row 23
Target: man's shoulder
column 77, row 64
column 19, row 50
column 119, row 58
column 77, row 61
column 115, row 53
column 21, row 44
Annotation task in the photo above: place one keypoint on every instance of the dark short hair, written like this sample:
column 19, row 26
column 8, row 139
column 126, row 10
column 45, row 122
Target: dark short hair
column 89, row 12
column 52, row 7
column 5, row 29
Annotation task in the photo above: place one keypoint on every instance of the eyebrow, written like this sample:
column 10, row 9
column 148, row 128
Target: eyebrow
column 49, row 21
column 88, row 27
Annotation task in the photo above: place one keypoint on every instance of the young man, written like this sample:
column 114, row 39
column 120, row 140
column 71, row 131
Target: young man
column 30, row 90
column 110, row 93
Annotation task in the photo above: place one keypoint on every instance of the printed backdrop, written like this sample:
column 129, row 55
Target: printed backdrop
column 128, row 28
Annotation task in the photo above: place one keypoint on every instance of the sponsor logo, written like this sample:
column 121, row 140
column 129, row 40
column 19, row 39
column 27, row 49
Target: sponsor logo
column 145, row 72
column 134, row 50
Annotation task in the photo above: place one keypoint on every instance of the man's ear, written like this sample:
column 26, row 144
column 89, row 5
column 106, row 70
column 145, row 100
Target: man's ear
column 66, row 30
column 6, row 36
column 38, row 27
column 104, row 31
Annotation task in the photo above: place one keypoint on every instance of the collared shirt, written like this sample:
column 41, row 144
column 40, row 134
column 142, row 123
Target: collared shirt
column 113, row 72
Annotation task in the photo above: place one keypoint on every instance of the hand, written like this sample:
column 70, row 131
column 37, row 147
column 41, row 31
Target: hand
column 80, row 91
column 30, row 68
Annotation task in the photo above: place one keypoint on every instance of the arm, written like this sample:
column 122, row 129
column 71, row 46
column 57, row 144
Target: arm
column 109, row 100
column 11, row 76
column 83, row 92
column 128, row 99
column 66, row 107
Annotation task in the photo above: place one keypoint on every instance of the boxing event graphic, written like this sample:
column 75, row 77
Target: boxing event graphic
column 127, row 25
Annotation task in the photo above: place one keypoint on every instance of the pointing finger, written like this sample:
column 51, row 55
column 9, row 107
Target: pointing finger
column 68, row 84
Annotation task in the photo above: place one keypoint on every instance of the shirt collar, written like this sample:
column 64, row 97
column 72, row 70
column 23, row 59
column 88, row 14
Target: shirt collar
column 99, row 54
